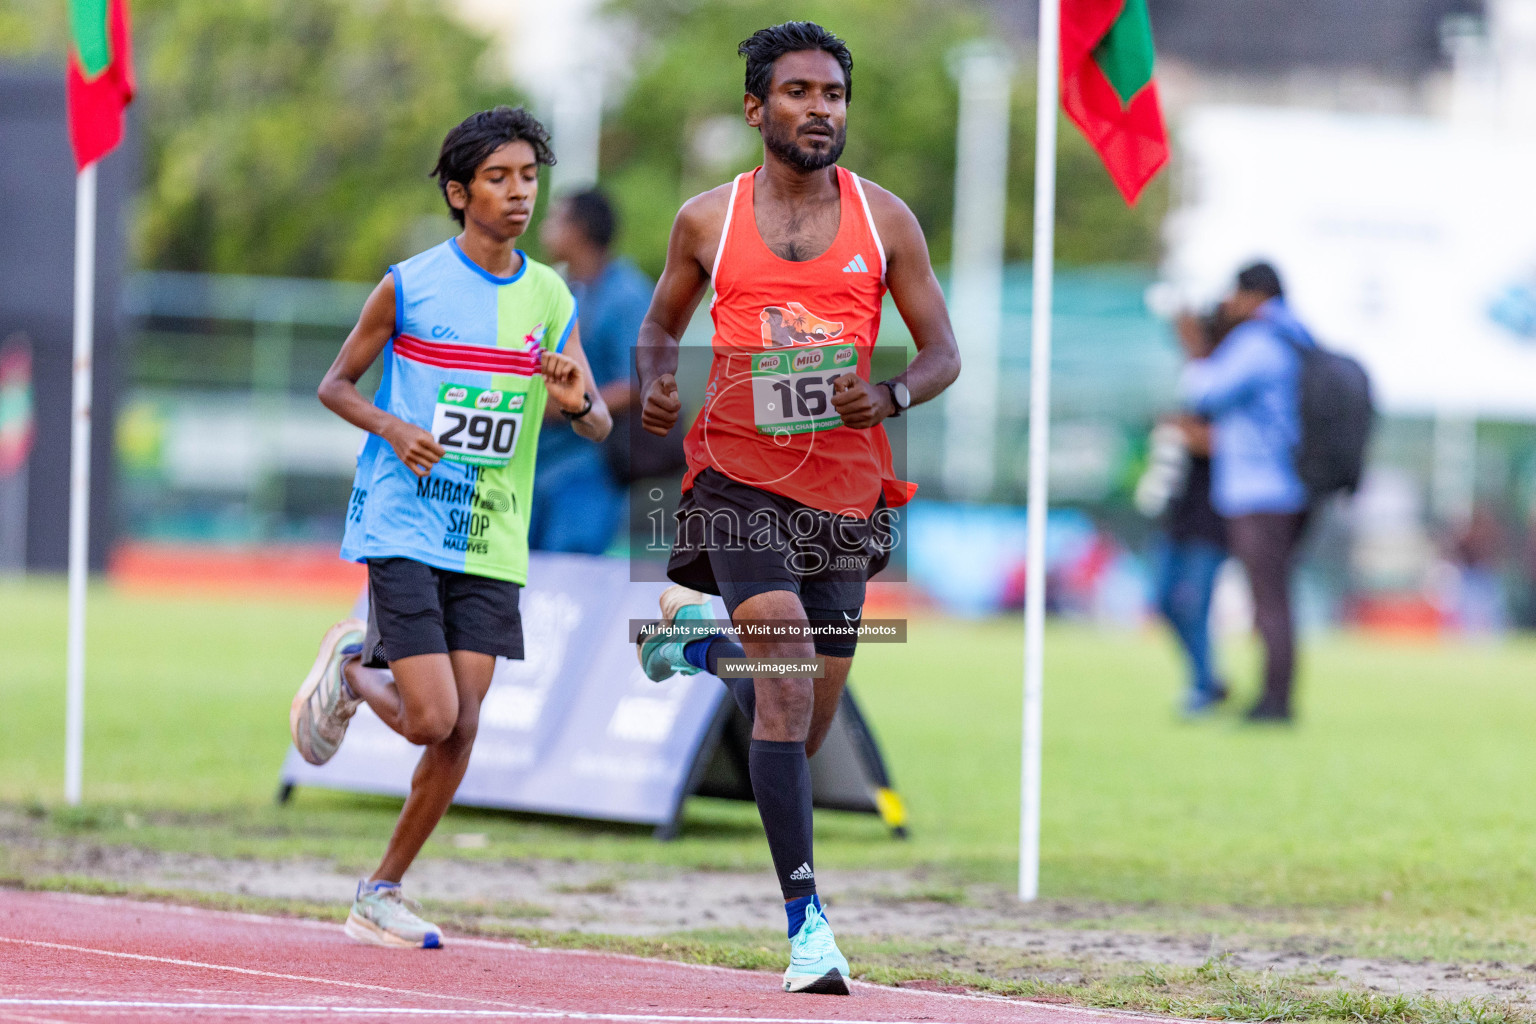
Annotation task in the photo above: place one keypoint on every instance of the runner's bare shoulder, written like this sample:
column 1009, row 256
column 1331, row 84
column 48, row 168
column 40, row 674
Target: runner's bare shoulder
column 893, row 218
column 376, row 322
column 381, row 301
column 701, row 220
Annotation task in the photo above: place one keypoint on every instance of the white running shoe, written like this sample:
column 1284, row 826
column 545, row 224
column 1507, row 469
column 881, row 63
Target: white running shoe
column 382, row 917
column 321, row 710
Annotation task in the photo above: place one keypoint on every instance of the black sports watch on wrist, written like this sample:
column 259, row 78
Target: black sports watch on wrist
column 900, row 396
column 584, row 409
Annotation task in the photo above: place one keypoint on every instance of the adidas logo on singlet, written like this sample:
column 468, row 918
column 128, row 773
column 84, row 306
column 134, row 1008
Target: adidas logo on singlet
column 856, row 265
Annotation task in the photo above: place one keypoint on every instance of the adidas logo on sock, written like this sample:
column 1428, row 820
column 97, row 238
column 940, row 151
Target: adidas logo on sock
column 856, row 265
column 803, row 873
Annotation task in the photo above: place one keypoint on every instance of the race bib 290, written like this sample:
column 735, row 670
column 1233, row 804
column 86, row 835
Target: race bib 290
column 478, row 426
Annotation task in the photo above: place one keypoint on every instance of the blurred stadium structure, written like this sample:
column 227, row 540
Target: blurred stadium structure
column 1376, row 152
column 570, row 59
column 36, row 322
column 220, row 437
column 1398, row 211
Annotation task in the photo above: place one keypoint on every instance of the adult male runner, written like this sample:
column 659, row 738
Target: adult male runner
column 476, row 338
column 788, row 466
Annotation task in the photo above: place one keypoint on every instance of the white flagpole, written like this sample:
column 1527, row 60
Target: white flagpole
column 1039, row 444
column 80, row 476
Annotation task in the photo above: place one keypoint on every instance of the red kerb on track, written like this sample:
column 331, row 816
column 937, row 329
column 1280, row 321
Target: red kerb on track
column 67, row 958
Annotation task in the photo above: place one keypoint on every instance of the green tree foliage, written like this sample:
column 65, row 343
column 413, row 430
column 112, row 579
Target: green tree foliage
column 294, row 136
column 287, row 136
column 672, row 136
column 29, row 28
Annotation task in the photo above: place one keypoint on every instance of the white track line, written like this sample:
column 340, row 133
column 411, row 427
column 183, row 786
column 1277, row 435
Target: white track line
column 499, row 944
column 505, row 1010
column 278, row 1008
column 147, row 958
column 329, row 926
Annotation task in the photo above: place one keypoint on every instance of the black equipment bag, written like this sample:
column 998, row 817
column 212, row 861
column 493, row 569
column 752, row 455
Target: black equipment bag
column 1337, row 414
column 634, row 453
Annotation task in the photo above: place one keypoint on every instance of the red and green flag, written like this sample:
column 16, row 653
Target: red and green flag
column 1107, row 87
column 100, row 77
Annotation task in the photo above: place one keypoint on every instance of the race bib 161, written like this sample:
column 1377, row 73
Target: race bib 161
column 792, row 390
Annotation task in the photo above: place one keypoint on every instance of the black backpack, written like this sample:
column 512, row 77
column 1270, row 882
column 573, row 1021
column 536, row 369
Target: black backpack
column 1337, row 414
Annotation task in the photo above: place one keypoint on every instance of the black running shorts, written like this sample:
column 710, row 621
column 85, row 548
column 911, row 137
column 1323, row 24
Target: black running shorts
column 414, row 608
column 739, row 541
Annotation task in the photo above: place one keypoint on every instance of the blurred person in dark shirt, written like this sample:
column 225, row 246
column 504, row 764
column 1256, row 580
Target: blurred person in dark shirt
column 578, row 501
column 1193, row 541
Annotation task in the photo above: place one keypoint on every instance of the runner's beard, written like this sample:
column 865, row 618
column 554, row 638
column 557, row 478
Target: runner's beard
column 783, row 142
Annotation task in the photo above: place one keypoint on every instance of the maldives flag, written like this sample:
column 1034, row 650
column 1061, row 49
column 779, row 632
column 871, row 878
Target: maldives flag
column 1108, row 90
column 100, row 77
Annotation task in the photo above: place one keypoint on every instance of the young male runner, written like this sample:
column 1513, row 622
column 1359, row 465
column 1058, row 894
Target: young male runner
column 476, row 338
column 788, row 466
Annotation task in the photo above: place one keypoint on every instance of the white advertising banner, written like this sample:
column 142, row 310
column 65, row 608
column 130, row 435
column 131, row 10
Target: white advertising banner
column 1408, row 242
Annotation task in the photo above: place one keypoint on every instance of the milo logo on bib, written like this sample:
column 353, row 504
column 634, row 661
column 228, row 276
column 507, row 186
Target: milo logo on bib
column 792, row 392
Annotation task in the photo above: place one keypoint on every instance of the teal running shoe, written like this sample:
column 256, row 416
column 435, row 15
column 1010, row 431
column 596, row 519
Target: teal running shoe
column 382, row 917
column 324, row 706
column 815, row 963
column 661, row 656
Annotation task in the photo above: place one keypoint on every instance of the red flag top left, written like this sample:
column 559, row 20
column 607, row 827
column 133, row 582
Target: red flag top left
column 100, row 77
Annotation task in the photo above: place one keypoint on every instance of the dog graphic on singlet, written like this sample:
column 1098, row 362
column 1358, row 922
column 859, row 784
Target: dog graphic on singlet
column 793, row 324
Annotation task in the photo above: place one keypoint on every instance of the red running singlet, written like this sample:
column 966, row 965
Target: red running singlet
column 783, row 331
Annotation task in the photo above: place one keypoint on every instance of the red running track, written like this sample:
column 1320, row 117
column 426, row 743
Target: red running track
column 66, row 958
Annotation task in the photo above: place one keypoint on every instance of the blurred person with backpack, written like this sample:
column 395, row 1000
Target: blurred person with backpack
column 578, row 496
column 1176, row 490
column 1290, row 421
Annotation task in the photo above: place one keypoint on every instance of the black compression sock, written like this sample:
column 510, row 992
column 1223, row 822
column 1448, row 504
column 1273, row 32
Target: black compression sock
column 743, row 688
column 781, row 784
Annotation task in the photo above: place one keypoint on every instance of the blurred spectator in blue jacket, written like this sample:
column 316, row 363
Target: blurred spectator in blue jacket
column 1248, row 388
column 578, row 502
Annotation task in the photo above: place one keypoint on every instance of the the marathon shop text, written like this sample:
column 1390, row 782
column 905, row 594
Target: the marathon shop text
column 465, row 526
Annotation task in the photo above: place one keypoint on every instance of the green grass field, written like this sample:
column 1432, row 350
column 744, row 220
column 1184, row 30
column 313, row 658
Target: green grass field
column 1397, row 816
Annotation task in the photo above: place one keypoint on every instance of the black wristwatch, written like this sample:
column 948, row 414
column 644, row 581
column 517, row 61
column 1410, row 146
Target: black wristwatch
column 573, row 416
column 900, row 396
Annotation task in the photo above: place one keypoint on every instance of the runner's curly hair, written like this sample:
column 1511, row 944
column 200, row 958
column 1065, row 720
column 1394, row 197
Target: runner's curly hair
column 767, row 45
column 478, row 136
